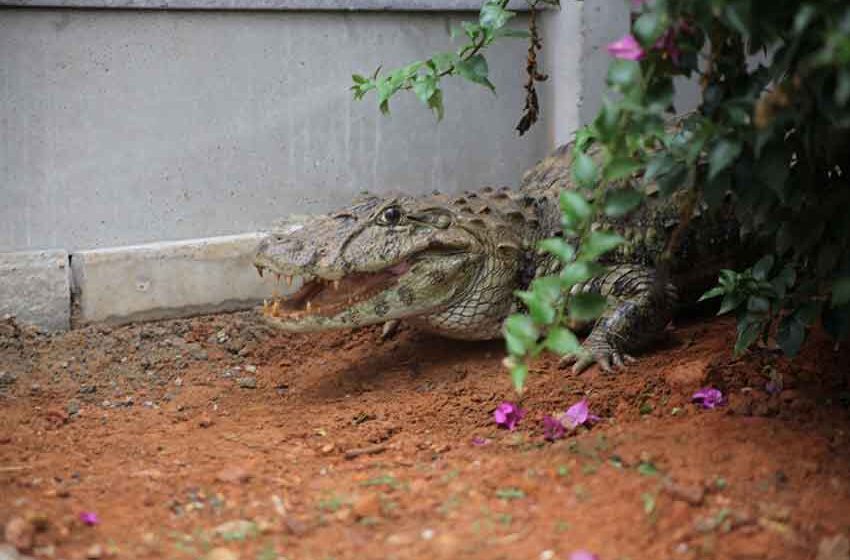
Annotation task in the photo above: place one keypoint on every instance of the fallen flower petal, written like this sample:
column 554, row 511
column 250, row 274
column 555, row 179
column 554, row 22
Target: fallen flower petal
column 89, row 518
column 627, row 48
column 577, row 414
column 507, row 415
column 583, row 555
column 708, row 397
column 479, row 441
column 552, row 428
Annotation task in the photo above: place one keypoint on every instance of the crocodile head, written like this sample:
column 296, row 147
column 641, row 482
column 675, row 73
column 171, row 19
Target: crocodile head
column 389, row 258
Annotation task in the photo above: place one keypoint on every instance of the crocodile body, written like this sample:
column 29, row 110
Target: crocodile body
column 451, row 264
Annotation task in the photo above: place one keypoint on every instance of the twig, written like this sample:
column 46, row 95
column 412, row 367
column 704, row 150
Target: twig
column 368, row 450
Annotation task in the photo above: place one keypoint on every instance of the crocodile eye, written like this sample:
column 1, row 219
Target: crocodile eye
column 391, row 216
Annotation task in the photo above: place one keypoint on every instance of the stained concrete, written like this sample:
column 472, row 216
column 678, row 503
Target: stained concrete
column 124, row 127
column 35, row 287
column 161, row 280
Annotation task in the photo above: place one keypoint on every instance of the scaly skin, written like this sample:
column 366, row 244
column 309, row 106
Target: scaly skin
column 450, row 265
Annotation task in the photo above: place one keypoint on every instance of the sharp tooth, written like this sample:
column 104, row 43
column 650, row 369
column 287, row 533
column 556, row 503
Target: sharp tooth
column 336, row 284
column 265, row 305
column 275, row 308
column 308, row 306
column 288, row 280
column 277, row 276
column 259, row 270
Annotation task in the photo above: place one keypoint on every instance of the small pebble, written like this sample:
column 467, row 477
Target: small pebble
column 248, row 382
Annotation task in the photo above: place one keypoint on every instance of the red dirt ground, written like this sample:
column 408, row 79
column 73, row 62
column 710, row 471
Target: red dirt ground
column 185, row 450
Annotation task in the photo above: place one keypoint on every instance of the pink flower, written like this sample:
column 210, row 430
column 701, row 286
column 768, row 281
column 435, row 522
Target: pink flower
column 708, row 397
column 627, row 48
column 89, row 518
column 552, row 428
column 667, row 43
column 507, row 415
column 583, row 555
column 577, row 414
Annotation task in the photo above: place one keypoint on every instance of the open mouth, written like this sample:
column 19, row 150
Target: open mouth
column 326, row 298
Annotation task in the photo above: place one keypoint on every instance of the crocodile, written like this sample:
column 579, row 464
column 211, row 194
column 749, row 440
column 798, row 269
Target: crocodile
column 452, row 264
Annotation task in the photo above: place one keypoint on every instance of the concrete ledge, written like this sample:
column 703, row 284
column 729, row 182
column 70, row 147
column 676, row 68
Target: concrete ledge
column 319, row 5
column 35, row 287
column 166, row 280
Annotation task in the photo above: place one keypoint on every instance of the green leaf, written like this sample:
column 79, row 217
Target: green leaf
column 584, row 170
column 805, row 14
column 649, row 27
column 547, row 287
column 724, row 154
column 519, row 373
column 674, row 180
column 748, row 332
column 475, row 70
column 424, row 87
column 840, row 291
column 541, row 311
column 623, row 73
column 658, row 165
column 520, row 334
column 586, row 306
column 436, row 104
column 443, row 62
column 621, row 167
column 762, row 268
column 598, row 243
column 622, row 201
column 730, row 301
column 758, row 304
column 578, row 272
column 562, row 342
column 558, row 247
column 494, row 16
column 716, row 291
column 358, row 79
column 575, row 208
column 790, row 335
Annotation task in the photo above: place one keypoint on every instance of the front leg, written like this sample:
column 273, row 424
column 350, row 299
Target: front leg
column 640, row 308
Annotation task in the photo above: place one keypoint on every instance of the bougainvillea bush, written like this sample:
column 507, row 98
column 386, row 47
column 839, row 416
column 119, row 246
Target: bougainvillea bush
column 771, row 134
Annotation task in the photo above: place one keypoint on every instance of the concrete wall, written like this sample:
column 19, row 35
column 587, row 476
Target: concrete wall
column 128, row 126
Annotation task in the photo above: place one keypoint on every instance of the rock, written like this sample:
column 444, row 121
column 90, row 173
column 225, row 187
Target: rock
column 9, row 552
column 693, row 495
column 251, row 369
column 221, row 553
column 19, row 533
column 247, row 382
column 205, row 421
column 233, row 475
column 87, row 389
column 95, row 552
column 73, row 407
column 832, row 548
column 368, row 505
column 7, row 379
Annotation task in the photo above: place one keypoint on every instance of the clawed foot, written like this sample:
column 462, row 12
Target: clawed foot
column 608, row 359
column 390, row 329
